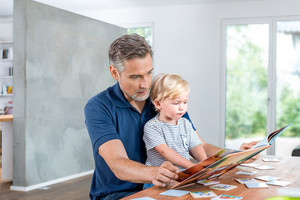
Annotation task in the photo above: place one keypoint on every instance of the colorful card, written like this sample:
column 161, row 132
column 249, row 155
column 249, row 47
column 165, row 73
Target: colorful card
column 203, row 194
column 175, row 193
column 249, row 165
column 256, row 185
column 263, row 167
column 244, row 172
column 207, row 182
column 225, row 196
column 223, row 187
column 243, row 181
column 267, row 178
column 278, row 183
column 270, row 159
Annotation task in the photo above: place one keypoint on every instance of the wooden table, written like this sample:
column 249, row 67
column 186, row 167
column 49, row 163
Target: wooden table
column 7, row 146
column 287, row 169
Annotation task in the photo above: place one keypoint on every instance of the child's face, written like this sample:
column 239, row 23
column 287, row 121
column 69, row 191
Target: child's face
column 172, row 109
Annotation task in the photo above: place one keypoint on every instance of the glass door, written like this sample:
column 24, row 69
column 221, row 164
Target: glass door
column 247, row 55
column 262, row 82
column 288, row 85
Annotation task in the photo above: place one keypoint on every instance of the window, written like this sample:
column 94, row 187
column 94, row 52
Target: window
column 288, row 84
column 246, row 83
column 146, row 32
column 261, row 77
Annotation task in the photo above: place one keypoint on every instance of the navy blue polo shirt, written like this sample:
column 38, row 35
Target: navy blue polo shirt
column 109, row 116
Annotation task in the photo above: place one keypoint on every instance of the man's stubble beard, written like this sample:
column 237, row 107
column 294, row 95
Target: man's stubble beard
column 136, row 98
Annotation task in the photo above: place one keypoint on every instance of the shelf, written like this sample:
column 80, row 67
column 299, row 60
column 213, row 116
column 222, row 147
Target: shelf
column 6, row 60
column 6, row 42
column 6, row 77
column 6, row 95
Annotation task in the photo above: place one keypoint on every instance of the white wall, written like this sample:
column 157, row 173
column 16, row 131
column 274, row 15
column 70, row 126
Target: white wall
column 187, row 41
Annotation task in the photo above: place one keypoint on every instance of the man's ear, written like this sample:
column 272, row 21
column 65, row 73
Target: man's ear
column 114, row 72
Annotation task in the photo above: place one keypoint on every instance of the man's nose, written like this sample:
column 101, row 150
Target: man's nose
column 144, row 83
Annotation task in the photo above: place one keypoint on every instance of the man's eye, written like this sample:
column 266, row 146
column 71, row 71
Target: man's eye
column 134, row 77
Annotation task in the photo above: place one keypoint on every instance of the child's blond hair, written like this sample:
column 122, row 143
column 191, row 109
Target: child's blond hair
column 167, row 86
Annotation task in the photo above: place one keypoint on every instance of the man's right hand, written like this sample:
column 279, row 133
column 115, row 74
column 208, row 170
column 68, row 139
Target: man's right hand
column 165, row 174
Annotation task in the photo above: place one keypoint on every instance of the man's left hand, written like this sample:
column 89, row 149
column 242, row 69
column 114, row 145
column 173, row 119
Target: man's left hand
column 249, row 145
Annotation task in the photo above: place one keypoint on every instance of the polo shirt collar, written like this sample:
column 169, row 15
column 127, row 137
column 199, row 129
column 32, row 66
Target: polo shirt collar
column 119, row 99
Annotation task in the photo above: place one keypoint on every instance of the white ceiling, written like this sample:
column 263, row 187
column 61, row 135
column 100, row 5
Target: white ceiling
column 6, row 6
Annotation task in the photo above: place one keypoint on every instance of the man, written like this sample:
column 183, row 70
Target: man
column 115, row 119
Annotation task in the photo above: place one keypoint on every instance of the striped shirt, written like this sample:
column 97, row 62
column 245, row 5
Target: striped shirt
column 181, row 138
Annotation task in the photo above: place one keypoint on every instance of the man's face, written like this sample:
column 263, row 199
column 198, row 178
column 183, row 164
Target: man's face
column 135, row 79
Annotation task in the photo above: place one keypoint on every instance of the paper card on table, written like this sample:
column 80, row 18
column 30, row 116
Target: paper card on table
column 203, row 194
column 243, row 181
column 256, row 185
column 249, row 164
column 226, row 196
column 244, row 172
column 175, row 193
column 143, row 198
column 207, row 182
column 267, row 178
column 270, row 159
column 278, row 183
column 264, row 167
column 223, row 187
column 289, row 192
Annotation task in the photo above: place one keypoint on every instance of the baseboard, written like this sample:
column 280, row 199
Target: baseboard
column 44, row 184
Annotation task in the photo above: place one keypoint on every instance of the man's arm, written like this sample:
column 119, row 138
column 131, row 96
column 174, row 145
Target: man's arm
column 211, row 149
column 125, row 169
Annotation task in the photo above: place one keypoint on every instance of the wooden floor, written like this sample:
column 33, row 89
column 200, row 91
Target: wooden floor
column 76, row 189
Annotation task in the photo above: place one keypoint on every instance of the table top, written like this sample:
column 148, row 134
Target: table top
column 6, row 118
column 287, row 169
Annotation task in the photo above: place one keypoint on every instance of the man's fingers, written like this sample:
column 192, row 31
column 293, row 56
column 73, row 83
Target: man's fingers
column 166, row 173
column 170, row 167
column 249, row 145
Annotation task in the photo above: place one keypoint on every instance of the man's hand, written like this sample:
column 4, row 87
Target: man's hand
column 165, row 174
column 249, row 145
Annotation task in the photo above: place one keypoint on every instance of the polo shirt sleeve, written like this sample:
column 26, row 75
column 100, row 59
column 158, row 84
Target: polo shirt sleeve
column 153, row 136
column 99, row 123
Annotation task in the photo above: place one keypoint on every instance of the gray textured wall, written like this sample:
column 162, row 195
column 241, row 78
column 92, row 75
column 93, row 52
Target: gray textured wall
column 61, row 61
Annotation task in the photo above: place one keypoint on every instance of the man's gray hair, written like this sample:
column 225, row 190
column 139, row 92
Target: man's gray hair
column 128, row 47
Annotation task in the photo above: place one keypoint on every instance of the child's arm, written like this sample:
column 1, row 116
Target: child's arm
column 198, row 153
column 173, row 156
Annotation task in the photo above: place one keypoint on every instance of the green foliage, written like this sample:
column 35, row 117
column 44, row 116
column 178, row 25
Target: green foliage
column 247, row 90
column 289, row 108
column 246, row 94
column 145, row 32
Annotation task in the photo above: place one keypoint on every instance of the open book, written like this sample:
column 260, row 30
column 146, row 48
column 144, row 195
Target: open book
column 223, row 161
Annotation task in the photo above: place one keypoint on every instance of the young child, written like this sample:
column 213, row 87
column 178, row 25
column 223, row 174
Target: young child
column 169, row 136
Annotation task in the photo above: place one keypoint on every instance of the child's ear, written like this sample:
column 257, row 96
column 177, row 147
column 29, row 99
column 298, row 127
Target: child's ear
column 157, row 104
